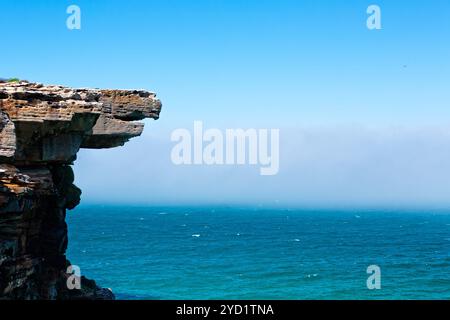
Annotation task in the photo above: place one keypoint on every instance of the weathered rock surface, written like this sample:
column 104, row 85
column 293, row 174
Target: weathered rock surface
column 41, row 130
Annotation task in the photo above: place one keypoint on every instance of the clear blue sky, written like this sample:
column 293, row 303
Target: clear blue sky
column 284, row 64
column 298, row 59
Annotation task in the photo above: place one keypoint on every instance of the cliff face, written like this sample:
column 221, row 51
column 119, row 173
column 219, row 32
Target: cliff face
column 41, row 130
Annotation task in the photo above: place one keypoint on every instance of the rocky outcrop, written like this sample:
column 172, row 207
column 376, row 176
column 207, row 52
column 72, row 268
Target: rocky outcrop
column 41, row 130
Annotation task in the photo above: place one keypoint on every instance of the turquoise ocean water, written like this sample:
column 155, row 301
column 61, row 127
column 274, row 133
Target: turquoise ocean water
column 229, row 253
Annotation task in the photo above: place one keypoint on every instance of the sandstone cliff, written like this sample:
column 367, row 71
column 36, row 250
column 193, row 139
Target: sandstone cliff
column 41, row 130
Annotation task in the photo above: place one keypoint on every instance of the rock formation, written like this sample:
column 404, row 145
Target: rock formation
column 41, row 130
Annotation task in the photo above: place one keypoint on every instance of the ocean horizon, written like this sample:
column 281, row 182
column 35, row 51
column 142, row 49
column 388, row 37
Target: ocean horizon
column 144, row 252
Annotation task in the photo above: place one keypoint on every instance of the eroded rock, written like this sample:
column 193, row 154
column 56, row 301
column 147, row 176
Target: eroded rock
column 41, row 130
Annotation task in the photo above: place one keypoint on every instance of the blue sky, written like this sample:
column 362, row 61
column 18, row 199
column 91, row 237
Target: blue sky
column 310, row 68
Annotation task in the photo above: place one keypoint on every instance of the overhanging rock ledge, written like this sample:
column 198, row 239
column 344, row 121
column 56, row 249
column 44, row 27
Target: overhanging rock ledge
column 42, row 128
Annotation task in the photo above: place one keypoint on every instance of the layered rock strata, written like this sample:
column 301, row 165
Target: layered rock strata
column 41, row 130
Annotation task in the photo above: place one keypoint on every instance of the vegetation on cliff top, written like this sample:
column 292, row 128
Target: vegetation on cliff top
column 11, row 80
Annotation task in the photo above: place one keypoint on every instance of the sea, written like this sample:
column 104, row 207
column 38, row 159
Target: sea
column 259, row 253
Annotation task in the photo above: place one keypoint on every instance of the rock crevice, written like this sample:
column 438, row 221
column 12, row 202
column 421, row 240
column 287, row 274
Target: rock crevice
column 41, row 130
